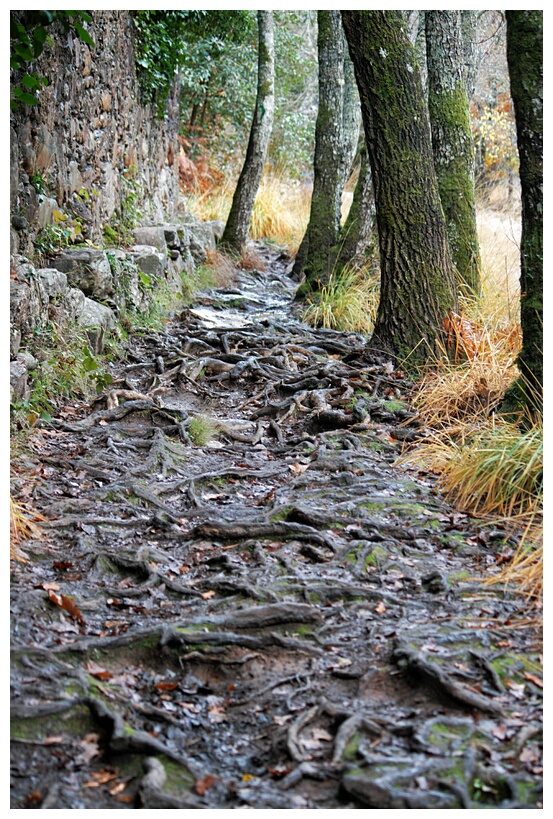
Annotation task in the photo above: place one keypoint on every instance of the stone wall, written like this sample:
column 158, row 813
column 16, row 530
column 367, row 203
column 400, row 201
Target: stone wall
column 71, row 153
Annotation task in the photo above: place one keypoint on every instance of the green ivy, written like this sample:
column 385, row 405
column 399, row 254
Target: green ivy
column 28, row 37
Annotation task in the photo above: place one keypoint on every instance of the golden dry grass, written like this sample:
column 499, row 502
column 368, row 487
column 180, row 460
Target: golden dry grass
column 280, row 214
column 22, row 527
column 347, row 302
column 487, row 466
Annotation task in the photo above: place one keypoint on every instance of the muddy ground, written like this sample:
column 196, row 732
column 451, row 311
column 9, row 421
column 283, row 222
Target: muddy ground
column 277, row 617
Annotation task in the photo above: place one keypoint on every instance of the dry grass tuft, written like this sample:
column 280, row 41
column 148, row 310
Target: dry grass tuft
column 222, row 268
column 22, row 528
column 251, row 259
column 348, row 302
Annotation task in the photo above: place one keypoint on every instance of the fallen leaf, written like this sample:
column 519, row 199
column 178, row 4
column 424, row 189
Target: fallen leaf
column 52, row 586
column 298, row 469
column 208, row 594
column 97, row 671
column 282, row 720
column 499, row 732
column 166, row 686
column 117, row 788
column 89, row 749
column 380, row 608
column 202, row 785
column 534, row 679
column 68, row 604
column 126, row 797
column 53, row 740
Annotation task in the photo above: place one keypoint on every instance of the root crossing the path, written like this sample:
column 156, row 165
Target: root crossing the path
column 237, row 599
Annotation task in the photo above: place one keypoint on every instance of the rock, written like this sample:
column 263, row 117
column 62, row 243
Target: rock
column 151, row 236
column 172, row 238
column 218, row 227
column 88, row 270
column 19, row 389
column 28, row 307
column 53, row 281
column 28, row 360
column 202, row 241
column 19, row 222
column 73, row 303
column 94, row 314
column 45, row 212
column 149, row 260
column 97, row 320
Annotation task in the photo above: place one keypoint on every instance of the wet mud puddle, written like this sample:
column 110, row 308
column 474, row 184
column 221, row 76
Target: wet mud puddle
column 239, row 601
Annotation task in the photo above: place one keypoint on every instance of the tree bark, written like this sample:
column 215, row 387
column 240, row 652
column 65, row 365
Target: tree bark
column 417, row 282
column 316, row 254
column 357, row 237
column 452, row 140
column 238, row 223
column 525, row 61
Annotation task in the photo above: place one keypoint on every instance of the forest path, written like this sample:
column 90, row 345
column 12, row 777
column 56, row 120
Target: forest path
column 275, row 618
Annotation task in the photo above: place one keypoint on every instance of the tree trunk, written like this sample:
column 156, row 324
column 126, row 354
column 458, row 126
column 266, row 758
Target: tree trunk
column 417, row 281
column 358, row 234
column 315, row 256
column 452, row 140
column 469, row 20
column 525, row 61
column 238, row 223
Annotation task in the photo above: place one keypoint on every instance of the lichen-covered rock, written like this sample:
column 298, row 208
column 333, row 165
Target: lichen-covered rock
column 19, row 389
column 88, row 270
column 54, row 282
column 28, row 300
column 73, row 303
column 149, row 260
column 97, row 320
column 151, row 236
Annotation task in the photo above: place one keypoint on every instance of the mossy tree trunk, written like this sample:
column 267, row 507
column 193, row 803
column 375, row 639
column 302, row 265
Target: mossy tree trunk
column 417, row 281
column 525, row 61
column 336, row 136
column 452, row 140
column 238, row 223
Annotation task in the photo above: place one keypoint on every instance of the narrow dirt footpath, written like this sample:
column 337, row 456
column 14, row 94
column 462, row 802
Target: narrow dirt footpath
column 276, row 617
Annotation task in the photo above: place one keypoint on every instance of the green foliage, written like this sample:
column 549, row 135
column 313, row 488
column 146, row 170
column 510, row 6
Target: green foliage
column 67, row 369
column 52, row 238
column 28, row 37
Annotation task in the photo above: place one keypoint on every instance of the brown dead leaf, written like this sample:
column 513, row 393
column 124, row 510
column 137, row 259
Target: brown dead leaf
column 68, row 605
column 166, row 686
column 97, row 671
column 208, row 594
column 51, row 586
column 57, row 740
column 534, row 679
column 297, row 468
column 202, row 785
column 117, row 788
column 380, row 608
column 499, row 732
column 89, row 749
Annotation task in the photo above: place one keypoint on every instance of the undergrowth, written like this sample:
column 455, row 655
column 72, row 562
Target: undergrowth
column 348, row 302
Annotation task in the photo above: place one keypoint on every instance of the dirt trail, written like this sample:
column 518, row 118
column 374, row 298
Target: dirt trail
column 275, row 618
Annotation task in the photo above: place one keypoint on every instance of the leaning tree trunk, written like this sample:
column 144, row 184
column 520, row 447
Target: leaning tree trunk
column 315, row 256
column 452, row 140
column 525, row 61
column 238, row 223
column 417, row 281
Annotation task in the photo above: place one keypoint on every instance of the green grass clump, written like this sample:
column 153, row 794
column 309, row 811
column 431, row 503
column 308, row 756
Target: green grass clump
column 202, row 429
